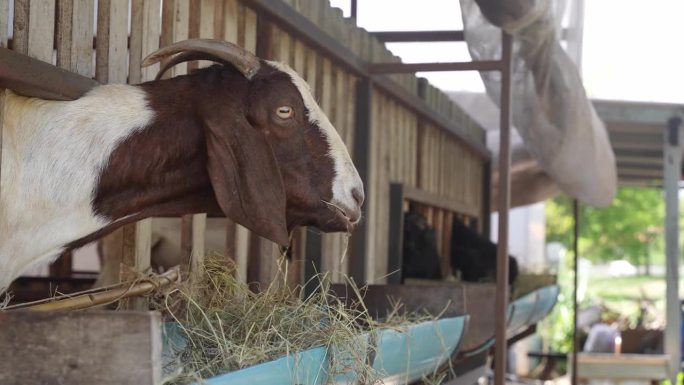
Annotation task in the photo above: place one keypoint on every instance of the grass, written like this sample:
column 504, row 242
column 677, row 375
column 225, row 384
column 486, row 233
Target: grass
column 623, row 295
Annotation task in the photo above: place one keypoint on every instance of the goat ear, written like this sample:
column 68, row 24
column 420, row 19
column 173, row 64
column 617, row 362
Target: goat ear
column 245, row 175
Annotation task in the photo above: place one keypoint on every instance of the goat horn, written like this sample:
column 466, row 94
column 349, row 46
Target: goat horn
column 244, row 61
column 182, row 58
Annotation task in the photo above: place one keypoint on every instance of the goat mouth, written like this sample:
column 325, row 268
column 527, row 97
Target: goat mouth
column 349, row 221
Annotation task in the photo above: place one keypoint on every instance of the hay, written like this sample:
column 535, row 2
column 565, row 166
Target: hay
column 229, row 327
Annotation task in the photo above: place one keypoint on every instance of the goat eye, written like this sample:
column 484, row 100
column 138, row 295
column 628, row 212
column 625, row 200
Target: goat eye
column 284, row 112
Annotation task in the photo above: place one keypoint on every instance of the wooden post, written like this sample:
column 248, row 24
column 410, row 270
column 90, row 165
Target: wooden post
column 575, row 307
column 359, row 241
column 145, row 32
column 672, row 173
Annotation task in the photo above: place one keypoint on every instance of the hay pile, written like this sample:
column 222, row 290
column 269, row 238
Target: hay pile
column 229, row 327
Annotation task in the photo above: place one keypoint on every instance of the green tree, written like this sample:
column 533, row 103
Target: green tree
column 630, row 228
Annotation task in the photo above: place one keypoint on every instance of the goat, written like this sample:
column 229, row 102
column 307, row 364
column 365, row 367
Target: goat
column 420, row 255
column 475, row 255
column 244, row 139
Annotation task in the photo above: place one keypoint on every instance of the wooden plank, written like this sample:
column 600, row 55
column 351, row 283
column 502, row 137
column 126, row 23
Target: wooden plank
column 82, row 37
column 230, row 20
column 60, row 348
column 20, row 27
column 218, row 19
column 372, row 193
column 65, row 11
column 396, row 233
column 175, row 27
column 250, row 33
column 229, row 250
column 112, row 43
column 145, row 33
column 434, row 200
column 151, row 25
column 242, row 241
column 41, row 30
column 199, row 226
column 4, row 22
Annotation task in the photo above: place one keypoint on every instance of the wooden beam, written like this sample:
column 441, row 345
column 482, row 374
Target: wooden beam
column 418, row 36
column 102, row 347
column 361, row 155
column 395, row 68
column 32, row 77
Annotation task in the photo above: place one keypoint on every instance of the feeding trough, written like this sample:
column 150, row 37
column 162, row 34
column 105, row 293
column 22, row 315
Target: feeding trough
column 399, row 356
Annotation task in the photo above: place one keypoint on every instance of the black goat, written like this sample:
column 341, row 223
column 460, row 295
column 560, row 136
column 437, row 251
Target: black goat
column 475, row 255
column 420, row 255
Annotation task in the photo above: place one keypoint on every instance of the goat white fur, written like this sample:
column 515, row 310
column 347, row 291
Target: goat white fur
column 52, row 155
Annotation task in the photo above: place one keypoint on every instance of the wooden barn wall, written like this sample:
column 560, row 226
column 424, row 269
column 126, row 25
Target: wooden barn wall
column 403, row 148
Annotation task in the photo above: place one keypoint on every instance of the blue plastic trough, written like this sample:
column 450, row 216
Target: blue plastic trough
column 402, row 356
column 406, row 356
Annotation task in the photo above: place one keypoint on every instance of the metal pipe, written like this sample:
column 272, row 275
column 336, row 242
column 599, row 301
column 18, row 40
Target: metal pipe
column 575, row 248
column 503, row 204
column 354, row 9
column 418, row 36
column 672, row 171
column 390, row 68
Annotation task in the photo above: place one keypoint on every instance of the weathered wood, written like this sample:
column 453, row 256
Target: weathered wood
column 72, row 348
column 199, row 225
column 81, row 49
column 41, row 30
column 4, row 20
column 32, row 77
column 230, row 20
column 175, row 23
column 20, row 27
column 111, row 45
column 242, row 242
column 65, row 11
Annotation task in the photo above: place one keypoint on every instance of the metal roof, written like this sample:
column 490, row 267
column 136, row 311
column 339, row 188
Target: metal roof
column 636, row 133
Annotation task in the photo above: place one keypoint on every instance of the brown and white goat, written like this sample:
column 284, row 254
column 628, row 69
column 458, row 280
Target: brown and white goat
column 244, row 139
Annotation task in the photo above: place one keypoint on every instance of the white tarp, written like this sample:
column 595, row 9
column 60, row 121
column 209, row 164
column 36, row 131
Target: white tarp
column 557, row 123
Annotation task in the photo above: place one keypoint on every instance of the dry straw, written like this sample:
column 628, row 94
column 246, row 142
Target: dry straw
column 229, row 327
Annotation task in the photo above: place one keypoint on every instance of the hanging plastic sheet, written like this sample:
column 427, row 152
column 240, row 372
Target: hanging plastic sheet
column 556, row 121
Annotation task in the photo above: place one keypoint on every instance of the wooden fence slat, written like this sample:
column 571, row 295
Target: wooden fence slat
column 175, row 27
column 4, row 22
column 230, row 21
column 250, row 30
column 218, row 19
column 65, row 12
column 41, row 29
column 242, row 241
column 20, row 28
column 82, row 37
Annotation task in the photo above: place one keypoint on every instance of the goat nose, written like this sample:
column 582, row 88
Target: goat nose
column 358, row 195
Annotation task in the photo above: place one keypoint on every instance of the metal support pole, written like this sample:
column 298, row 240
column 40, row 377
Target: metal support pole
column 575, row 248
column 672, row 173
column 504, row 204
